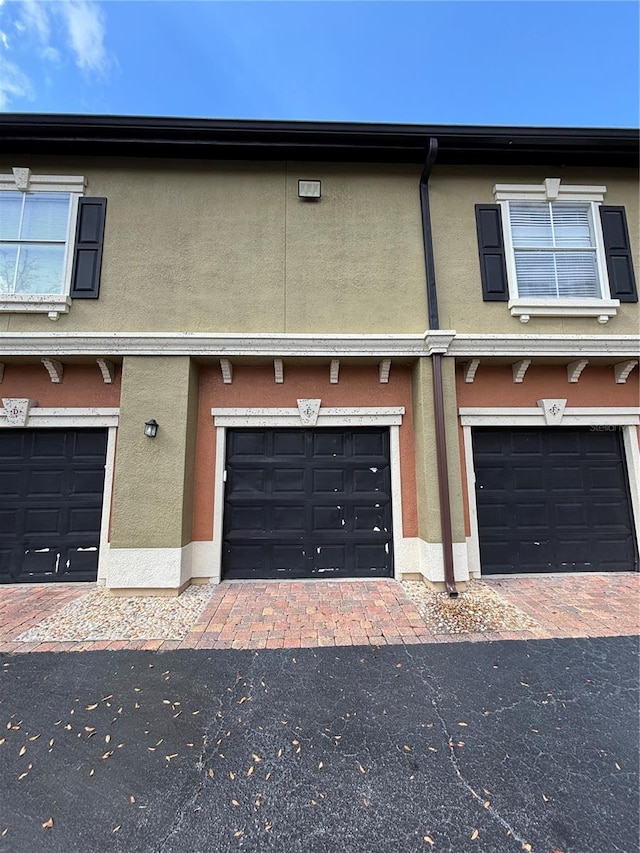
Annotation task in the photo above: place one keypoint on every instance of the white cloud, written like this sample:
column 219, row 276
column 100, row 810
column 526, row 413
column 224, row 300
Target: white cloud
column 35, row 18
column 85, row 30
column 13, row 83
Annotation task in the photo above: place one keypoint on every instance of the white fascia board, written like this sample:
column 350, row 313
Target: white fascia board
column 67, row 417
column 472, row 346
column 196, row 344
column 364, row 416
column 578, row 416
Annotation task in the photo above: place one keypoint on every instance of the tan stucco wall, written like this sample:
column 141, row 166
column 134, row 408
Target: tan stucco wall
column 229, row 247
column 425, row 449
column 453, row 193
column 153, row 484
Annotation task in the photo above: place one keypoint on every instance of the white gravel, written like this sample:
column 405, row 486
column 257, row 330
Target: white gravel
column 98, row 615
column 477, row 610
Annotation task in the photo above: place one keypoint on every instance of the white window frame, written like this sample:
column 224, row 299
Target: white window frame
column 23, row 181
column 625, row 418
column 552, row 189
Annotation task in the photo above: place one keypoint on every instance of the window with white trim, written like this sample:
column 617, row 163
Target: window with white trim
column 554, row 250
column 37, row 229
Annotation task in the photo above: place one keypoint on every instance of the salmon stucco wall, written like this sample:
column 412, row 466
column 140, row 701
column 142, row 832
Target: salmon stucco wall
column 254, row 387
column 82, row 386
column 494, row 387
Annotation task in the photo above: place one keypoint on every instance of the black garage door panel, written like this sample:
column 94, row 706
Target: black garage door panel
column 51, row 489
column 307, row 503
column 552, row 500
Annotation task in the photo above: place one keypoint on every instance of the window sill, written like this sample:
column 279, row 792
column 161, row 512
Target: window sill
column 601, row 309
column 40, row 303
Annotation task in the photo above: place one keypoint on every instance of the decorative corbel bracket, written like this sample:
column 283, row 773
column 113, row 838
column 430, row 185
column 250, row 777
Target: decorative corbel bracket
column 278, row 370
column 227, row 371
column 623, row 369
column 309, row 411
column 575, row 368
column 108, row 370
column 519, row 369
column 553, row 410
column 22, row 177
column 17, row 410
column 470, row 368
column 385, row 369
column 55, row 369
column 334, row 371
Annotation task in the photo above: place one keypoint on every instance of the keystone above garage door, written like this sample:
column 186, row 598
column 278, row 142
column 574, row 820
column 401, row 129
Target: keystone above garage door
column 51, row 492
column 553, row 499
column 307, row 503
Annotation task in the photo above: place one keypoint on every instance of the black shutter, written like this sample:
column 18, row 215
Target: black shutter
column 617, row 249
column 87, row 259
column 493, row 268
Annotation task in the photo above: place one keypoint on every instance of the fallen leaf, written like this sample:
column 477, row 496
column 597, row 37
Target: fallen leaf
column 106, row 755
column 244, row 699
column 235, row 803
column 406, row 748
column 132, row 799
column 361, row 768
column 238, row 833
column 21, row 776
column 486, row 804
column 255, row 757
column 173, row 755
column 91, row 772
column 267, row 827
column 320, row 765
column 546, row 799
column 34, row 737
column 116, row 828
column 232, row 775
column 4, row 831
column 48, row 824
column 92, row 707
column 22, row 751
column 211, row 773
column 462, row 724
column 250, row 770
column 268, row 776
column 617, row 766
column 428, row 840
column 474, row 834
column 526, row 846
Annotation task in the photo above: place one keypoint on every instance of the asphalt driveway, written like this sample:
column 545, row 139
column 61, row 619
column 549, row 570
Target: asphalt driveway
column 502, row 746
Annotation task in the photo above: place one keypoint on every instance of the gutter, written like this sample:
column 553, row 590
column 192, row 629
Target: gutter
column 438, row 393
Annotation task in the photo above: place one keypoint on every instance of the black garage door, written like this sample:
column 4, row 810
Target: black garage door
column 553, row 500
column 307, row 503
column 51, row 488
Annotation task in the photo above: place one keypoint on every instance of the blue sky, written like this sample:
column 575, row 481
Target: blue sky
column 505, row 62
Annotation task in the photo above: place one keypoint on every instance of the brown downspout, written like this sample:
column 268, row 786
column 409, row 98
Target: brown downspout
column 438, row 393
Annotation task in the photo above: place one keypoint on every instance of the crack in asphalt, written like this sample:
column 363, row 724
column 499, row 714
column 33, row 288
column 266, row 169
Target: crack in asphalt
column 511, row 831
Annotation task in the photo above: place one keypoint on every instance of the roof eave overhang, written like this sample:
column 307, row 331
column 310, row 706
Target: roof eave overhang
column 130, row 136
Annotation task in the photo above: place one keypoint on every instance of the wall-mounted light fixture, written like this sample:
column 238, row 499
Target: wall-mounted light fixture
column 309, row 190
column 151, row 428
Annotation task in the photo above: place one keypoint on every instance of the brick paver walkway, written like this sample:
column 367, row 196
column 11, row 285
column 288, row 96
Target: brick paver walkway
column 295, row 614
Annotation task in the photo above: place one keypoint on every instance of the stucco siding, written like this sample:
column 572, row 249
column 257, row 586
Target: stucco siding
column 453, row 194
column 229, row 247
